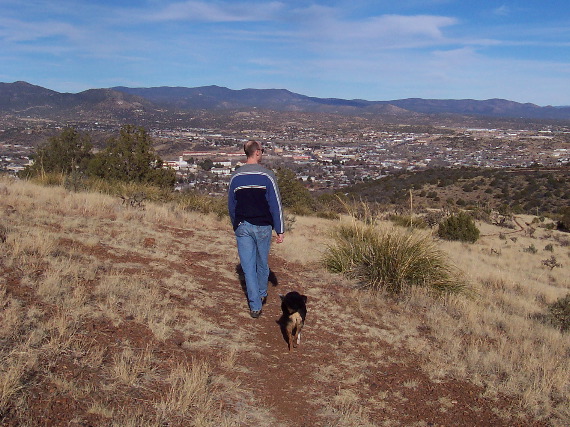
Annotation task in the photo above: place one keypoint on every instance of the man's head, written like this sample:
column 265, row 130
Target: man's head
column 253, row 150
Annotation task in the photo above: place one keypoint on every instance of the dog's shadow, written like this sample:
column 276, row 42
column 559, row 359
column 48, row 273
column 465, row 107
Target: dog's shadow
column 282, row 322
column 241, row 276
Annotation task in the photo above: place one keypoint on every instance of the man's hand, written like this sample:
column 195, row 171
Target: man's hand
column 279, row 238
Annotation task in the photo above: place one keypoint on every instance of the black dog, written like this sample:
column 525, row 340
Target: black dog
column 294, row 307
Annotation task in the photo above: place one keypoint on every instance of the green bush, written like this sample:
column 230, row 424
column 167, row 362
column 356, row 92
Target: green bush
column 459, row 227
column 67, row 152
column 294, row 195
column 390, row 260
column 531, row 249
column 130, row 157
column 563, row 223
column 559, row 313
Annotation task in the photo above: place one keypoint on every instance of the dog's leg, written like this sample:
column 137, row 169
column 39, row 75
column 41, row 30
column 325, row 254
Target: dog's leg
column 289, row 338
column 297, row 335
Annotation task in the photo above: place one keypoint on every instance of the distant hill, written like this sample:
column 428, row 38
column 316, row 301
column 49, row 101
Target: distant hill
column 21, row 98
column 217, row 97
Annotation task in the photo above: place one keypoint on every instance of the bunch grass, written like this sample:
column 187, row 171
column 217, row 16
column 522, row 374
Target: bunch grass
column 390, row 260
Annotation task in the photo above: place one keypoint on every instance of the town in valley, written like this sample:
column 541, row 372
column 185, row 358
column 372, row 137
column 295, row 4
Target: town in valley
column 323, row 154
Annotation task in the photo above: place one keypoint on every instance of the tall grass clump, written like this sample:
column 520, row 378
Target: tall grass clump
column 203, row 203
column 390, row 260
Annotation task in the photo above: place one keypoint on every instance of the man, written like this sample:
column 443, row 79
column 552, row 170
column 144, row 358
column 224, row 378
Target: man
column 255, row 209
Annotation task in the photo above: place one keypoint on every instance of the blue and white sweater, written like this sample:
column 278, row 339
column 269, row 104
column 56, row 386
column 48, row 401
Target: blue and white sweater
column 254, row 197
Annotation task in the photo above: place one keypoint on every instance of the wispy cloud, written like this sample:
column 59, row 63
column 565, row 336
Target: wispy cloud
column 13, row 30
column 200, row 11
column 503, row 10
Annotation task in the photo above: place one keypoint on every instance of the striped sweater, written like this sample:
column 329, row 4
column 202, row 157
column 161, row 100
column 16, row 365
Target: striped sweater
column 253, row 196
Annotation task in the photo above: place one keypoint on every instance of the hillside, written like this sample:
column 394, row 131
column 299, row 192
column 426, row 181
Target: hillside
column 114, row 315
column 543, row 190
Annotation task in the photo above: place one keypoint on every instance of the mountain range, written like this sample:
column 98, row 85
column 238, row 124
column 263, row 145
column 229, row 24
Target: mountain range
column 25, row 99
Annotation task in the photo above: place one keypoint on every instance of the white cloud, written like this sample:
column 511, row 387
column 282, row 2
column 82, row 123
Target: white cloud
column 328, row 32
column 503, row 10
column 200, row 11
column 14, row 30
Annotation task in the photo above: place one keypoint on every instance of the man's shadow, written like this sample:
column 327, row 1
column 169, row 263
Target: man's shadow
column 241, row 276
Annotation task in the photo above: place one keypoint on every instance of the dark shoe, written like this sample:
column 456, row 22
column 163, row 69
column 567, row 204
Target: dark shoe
column 255, row 313
column 264, row 300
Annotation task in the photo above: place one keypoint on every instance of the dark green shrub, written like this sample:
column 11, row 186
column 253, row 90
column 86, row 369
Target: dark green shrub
column 130, row 157
column 67, row 152
column 559, row 313
column 531, row 249
column 563, row 223
column 459, row 227
column 294, row 195
column 433, row 218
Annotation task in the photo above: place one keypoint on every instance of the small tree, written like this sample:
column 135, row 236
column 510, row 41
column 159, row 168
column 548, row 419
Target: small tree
column 131, row 157
column 459, row 227
column 67, row 152
column 294, row 195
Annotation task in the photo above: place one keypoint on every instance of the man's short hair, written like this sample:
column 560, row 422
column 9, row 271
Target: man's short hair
column 250, row 147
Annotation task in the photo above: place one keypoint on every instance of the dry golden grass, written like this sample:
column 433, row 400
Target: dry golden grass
column 89, row 270
column 494, row 338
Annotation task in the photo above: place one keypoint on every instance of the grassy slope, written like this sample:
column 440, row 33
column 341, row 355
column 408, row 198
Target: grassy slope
column 113, row 315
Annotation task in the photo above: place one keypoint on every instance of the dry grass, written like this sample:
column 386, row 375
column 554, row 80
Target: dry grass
column 97, row 307
column 74, row 255
column 494, row 338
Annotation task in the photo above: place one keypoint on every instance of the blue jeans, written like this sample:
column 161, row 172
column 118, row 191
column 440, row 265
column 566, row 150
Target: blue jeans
column 253, row 243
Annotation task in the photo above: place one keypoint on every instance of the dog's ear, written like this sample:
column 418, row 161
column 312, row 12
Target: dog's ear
column 282, row 297
column 304, row 298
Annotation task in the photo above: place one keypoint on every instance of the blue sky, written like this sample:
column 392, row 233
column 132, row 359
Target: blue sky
column 374, row 50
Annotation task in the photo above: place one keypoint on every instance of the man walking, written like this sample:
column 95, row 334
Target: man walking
column 254, row 204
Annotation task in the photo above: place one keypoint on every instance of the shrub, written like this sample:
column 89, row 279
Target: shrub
column 390, row 260
column 551, row 262
column 3, row 233
column 559, row 313
column 531, row 249
column 131, row 157
column 563, row 223
column 433, row 218
column 459, row 227
column 64, row 153
column 294, row 195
